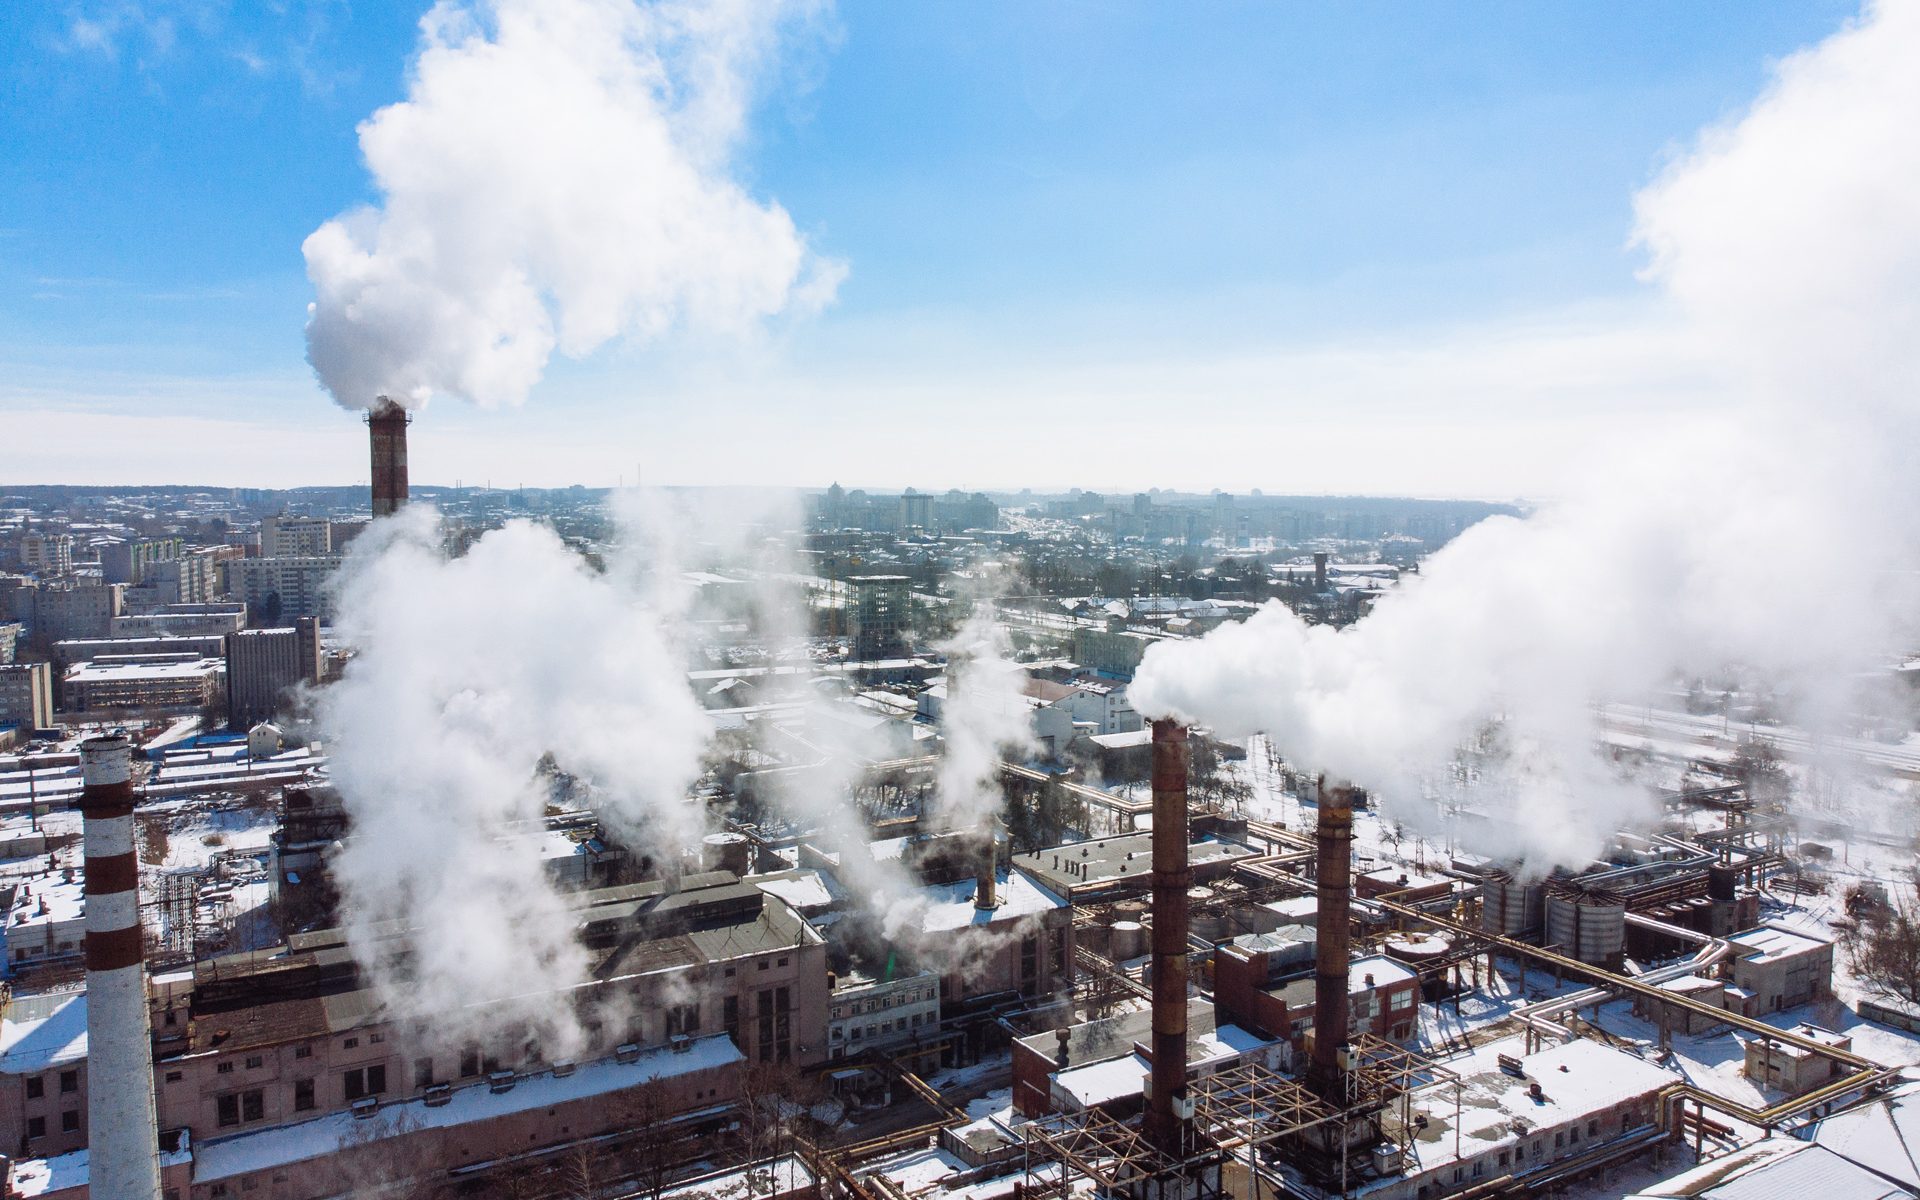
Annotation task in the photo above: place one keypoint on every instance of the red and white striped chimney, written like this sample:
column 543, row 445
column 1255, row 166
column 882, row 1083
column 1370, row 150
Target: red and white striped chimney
column 123, row 1140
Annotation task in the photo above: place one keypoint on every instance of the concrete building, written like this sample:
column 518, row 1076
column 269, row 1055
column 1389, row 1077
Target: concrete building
column 266, row 1058
column 46, row 919
column 128, row 561
column 1115, row 654
column 1265, row 982
column 1795, row 1070
column 189, row 579
column 47, row 553
column 264, row 665
column 1123, row 864
column 279, row 589
column 10, row 632
column 80, row 650
column 880, row 611
column 1100, row 1063
column 287, row 536
column 1780, row 967
column 212, row 619
column 43, row 1056
column 26, row 695
column 866, row 1014
column 84, row 610
column 144, row 682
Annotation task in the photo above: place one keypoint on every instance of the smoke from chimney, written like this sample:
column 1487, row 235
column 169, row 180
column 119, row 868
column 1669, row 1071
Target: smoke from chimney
column 1788, row 263
column 387, row 436
column 1167, row 1124
column 122, row 1133
column 560, row 175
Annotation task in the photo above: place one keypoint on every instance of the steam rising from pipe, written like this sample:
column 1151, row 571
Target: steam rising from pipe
column 1783, row 545
column 559, row 175
column 986, row 717
column 474, row 680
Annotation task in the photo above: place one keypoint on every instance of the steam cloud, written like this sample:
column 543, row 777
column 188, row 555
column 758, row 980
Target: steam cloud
column 557, row 177
column 1782, row 545
column 986, row 716
column 473, row 678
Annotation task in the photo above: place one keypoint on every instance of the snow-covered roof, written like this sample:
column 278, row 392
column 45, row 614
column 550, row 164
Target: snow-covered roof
column 1883, row 1136
column 950, row 905
column 43, row 1031
column 1102, row 1082
column 243, row 1154
column 1769, row 942
column 1777, row 1170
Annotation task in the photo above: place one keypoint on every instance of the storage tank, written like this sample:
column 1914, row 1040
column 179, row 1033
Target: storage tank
column 1587, row 926
column 1415, row 950
column 727, row 852
column 1510, row 906
column 1127, row 940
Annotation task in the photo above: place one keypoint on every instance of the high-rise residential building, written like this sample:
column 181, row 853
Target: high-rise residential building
column 129, row 561
column 26, row 695
column 879, row 616
column 287, row 536
column 190, row 579
column 47, row 553
column 83, row 610
column 276, row 589
column 263, row 665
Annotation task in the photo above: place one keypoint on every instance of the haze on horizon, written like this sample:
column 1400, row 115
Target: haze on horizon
column 1313, row 253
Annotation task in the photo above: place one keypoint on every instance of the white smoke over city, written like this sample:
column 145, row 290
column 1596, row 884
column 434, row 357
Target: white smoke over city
column 560, row 175
column 475, row 680
column 1780, row 542
column 986, row 718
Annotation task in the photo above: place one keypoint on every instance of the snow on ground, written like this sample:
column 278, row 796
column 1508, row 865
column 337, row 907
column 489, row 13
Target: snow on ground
column 196, row 835
column 958, row 1078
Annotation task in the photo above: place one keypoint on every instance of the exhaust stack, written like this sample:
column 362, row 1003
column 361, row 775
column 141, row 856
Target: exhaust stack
column 1169, row 1113
column 986, row 896
column 123, row 1136
column 1334, row 843
column 387, row 435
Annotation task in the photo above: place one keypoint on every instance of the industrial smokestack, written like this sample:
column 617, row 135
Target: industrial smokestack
column 1334, row 842
column 123, row 1138
column 387, row 436
column 1320, row 571
column 985, row 869
column 1168, row 1110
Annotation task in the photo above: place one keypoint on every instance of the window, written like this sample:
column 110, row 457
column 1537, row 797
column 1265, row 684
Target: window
column 35, row 1087
column 763, row 964
column 253, row 1104
column 366, row 1081
column 174, row 1076
column 70, row 1121
column 36, row 1127
column 422, row 1072
column 227, row 1109
column 69, row 1081
column 350, row 1044
column 683, row 1018
column 469, row 1062
column 303, row 1051
column 302, row 1095
column 255, row 1062
column 225, row 1068
column 374, row 1039
column 781, row 963
column 1593, row 1127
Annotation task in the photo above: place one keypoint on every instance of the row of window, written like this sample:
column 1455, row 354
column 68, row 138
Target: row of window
column 37, row 1084
column 69, row 1123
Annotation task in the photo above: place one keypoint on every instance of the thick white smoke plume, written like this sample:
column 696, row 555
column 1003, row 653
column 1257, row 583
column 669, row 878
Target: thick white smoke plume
column 985, row 718
column 1782, row 544
column 558, row 176
column 473, row 678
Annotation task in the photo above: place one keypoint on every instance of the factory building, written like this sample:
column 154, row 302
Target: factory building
column 149, row 682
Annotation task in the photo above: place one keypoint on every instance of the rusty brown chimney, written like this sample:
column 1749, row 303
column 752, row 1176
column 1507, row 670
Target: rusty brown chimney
column 1332, row 936
column 985, row 868
column 1320, row 571
column 1169, row 1112
column 387, row 435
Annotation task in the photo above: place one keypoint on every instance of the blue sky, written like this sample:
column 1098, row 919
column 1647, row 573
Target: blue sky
column 1370, row 247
